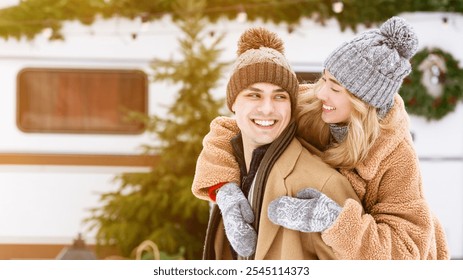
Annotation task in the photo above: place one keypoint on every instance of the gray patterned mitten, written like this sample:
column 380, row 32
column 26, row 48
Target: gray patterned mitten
column 309, row 211
column 237, row 218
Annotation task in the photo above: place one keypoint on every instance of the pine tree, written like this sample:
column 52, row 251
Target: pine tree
column 159, row 205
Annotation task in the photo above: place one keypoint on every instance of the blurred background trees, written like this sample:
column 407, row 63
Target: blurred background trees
column 159, row 205
column 31, row 17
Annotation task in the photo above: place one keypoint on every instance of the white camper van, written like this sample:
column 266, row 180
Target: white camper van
column 54, row 162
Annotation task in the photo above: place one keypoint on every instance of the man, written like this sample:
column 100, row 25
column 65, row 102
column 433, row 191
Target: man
column 262, row 94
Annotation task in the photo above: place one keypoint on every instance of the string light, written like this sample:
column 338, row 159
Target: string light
column 47, row 32
column 242, row 16
column 337, row 6
column 445, row 21
column 290, row 29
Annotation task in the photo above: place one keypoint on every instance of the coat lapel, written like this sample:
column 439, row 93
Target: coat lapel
column 275, row 188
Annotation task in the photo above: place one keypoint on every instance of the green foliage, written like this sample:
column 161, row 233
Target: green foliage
column 159, row 205
column 32, row 16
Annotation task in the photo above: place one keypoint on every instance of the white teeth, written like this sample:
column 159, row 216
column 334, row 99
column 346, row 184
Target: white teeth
column 265, row 122
column 326, row 107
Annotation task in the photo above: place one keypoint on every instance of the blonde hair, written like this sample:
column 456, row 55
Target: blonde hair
column 364, row 128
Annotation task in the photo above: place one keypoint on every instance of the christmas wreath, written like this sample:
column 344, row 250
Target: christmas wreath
column 418, row 100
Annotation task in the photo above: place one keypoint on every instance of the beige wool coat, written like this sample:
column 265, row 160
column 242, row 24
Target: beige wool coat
column 393, row 220
column 294, row 170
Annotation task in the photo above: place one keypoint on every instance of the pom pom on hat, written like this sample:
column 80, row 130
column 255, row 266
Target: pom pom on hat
column 255, row 38
column 399, row 35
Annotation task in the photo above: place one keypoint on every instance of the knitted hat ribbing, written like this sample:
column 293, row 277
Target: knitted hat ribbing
column 373, row 65
column 261, row 59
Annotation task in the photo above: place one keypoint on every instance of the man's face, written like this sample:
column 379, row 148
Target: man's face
column 262, row 112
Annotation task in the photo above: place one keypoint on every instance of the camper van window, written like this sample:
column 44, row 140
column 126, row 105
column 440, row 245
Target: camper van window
column 80, row 100
column 308, row 77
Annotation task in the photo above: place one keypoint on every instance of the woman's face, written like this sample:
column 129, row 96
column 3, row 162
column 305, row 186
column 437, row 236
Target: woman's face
column 336, row 101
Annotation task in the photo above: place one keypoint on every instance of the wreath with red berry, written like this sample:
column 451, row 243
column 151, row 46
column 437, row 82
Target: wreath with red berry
column 416, row 96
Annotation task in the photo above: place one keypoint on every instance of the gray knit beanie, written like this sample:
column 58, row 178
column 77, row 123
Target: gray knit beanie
column 373, row 65
column 261, row 59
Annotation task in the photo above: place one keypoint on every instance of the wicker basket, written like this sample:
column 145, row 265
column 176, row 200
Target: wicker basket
column 147, row 246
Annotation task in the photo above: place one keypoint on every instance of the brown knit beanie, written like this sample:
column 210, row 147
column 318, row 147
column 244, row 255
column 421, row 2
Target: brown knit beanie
column 261, row 60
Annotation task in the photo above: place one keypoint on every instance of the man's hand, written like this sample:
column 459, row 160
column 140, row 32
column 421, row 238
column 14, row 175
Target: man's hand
column 237, row 218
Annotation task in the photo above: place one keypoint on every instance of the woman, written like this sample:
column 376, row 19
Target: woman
column 355, row 117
